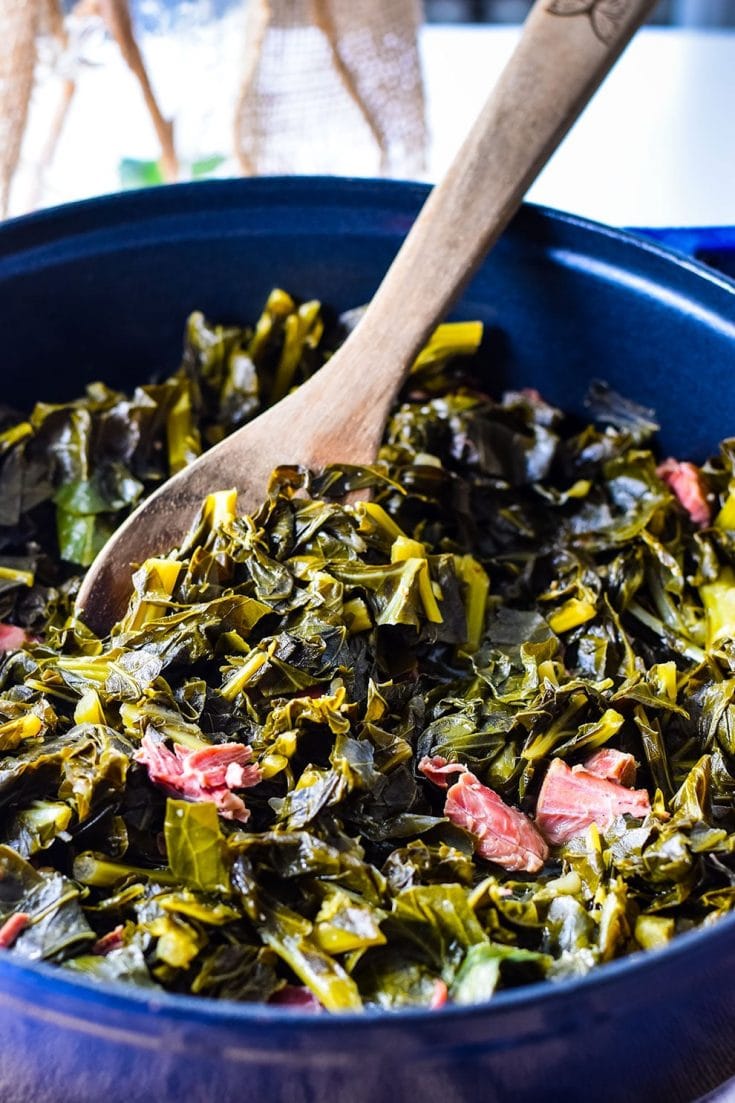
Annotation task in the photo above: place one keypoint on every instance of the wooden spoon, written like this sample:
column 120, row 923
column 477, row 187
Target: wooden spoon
column 566, row 49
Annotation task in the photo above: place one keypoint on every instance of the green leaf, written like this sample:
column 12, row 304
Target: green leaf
column 139, row 174
column 195, row 846
column 288, row 934
column 35, row 828
column 437, row 925
column 124, row 965
column 57, row 928
column 204, row 165
column 238, row 972
column 478, row 975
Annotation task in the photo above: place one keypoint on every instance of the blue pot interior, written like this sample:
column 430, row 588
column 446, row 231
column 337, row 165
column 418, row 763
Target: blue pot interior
column 101, row 290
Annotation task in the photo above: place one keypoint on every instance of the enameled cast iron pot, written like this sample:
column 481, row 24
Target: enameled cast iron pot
column 101, row 290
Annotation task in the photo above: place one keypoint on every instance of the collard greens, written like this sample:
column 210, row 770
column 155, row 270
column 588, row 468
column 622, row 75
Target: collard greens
column 281, row 777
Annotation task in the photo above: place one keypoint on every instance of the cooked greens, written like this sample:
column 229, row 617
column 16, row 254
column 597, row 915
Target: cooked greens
column 413, row 732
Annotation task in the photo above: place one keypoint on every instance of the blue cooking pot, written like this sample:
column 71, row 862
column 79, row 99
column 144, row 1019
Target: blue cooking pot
column 101, row 290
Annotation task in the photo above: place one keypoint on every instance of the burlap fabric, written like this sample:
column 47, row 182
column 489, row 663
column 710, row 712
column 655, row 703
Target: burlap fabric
column 20, row 22
column 332, row 86
column 27, row 29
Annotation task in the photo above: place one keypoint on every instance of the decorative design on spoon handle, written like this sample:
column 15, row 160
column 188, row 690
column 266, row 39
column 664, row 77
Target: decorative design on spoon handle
column 605, row 16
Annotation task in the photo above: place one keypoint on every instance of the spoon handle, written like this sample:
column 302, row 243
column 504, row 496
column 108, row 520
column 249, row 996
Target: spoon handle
column 566, row 49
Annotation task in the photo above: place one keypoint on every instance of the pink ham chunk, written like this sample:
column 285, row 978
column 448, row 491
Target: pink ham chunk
column 440, row 995
column 573, row 798
column 686, row 481
column 296, row 997
column 227, row 764
column 12, row 638
column 613, row 765
column 502, row 834
column 113, row 940
column 208, row 774
column 13, row 927
column 439, row 771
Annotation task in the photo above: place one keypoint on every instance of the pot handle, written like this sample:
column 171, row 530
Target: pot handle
column 711, row 245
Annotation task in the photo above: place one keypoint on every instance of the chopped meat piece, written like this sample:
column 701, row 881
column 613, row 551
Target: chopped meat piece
column 207, row 774
column 438, row 770
column 571, row 799
column 12, row 927
column 226, row 764
column 502, row 834
column 12, row 638
column 113, row 940
column 440, row 996
column 614, row 765
column 293, row 995
column 686, row 481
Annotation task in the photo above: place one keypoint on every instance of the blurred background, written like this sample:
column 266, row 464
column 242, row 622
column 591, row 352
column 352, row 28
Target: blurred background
column 102, row 95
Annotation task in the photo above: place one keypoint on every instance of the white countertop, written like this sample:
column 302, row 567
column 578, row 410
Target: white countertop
column 655, row 147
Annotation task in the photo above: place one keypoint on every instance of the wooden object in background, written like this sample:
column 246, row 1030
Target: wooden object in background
column 116, row 17
column 23, row 23
column 19, row 25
